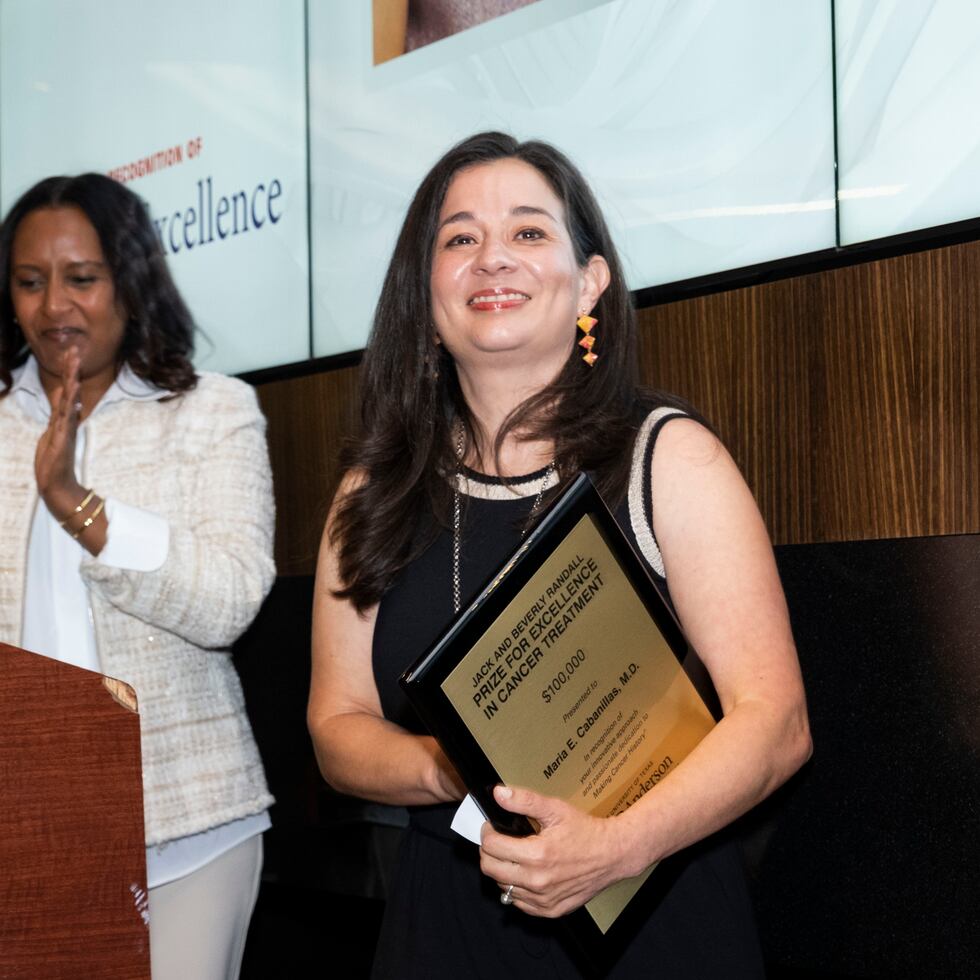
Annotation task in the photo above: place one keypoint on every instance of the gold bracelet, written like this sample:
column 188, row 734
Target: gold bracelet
column 80, row 507
column 90, row 519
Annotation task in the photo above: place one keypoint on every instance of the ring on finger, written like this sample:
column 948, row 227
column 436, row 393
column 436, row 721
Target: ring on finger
column 507, row 897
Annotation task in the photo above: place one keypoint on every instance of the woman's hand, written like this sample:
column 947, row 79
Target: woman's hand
column 54, row 463
column 571, row 858
column 54, row 459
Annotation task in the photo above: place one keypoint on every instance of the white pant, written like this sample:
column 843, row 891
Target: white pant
column 198, row 923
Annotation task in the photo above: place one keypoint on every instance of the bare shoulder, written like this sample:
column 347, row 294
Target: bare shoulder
column 328, row 576
column 703, row 510
column 689, row 458
column 342, row 678
column 686, row 441
column 350, row 481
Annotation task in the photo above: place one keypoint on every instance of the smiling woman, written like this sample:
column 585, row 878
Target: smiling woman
column 505, row 277
column 477, row 409
column 135, row 536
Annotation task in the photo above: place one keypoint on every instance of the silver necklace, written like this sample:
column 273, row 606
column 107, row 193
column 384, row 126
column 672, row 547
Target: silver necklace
column 457, row 508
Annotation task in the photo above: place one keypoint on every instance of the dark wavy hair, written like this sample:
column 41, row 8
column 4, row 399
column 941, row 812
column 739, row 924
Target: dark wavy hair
column 411, row 399
column 159, row 337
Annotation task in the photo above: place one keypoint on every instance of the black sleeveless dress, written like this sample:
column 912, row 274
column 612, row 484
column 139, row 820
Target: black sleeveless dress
column 443, row 918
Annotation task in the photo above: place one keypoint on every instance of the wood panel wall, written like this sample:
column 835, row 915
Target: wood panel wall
column 308, row 420
column 849, row 398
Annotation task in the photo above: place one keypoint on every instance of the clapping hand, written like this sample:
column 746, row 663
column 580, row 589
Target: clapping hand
column 54, row 459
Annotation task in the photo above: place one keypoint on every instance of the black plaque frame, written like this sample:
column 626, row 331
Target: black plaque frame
column 422, row 682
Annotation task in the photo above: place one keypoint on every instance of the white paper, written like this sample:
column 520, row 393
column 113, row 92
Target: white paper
column 469, row 819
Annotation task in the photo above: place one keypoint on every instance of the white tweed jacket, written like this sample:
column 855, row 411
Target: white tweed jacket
column 199, row 460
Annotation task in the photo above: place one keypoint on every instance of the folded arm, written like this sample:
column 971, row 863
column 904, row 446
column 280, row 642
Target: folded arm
column 218, row 566
column 726, row 590
column 359, row 752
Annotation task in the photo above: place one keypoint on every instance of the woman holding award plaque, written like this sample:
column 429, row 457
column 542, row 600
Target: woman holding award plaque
column 503, row 362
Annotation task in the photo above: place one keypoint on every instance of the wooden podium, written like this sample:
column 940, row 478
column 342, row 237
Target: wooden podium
column 73, row 897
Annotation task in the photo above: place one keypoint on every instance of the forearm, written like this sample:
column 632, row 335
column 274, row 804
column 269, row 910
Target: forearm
column 218, row 504
column 751, row 752
column 366, row 756
column 207, row 590
column 574, row 856
column 726, row 592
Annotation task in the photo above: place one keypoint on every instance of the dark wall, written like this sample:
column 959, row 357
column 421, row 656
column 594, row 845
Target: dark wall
column 865, row 864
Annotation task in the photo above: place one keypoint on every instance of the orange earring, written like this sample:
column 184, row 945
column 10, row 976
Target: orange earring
column 585, row 323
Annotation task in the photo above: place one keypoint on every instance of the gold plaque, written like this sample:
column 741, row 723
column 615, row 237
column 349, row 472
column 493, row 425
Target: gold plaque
column 571, row 684
column 575, row 693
